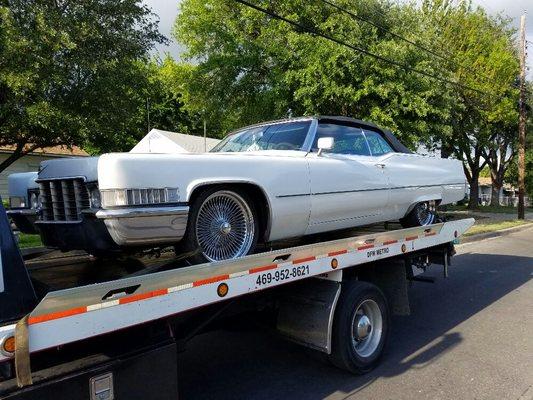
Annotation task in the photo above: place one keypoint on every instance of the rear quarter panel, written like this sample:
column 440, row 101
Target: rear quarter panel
column 415, row 178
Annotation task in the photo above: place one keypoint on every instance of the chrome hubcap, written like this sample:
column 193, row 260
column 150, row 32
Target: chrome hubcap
column 364, row 327
column 367, row 328
column 424, row 214
column 224, row 226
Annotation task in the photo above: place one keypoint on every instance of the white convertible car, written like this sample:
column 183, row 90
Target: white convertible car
column 262, row 183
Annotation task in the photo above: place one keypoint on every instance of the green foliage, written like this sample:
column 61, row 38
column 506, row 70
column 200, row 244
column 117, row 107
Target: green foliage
column 483, row 120
column 484, row 173
column 70, row 71
column 252, row 68
column 158, row 104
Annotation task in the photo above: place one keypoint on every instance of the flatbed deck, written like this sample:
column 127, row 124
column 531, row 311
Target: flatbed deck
column 69, row 315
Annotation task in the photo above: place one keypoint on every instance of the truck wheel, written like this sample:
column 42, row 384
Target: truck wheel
column 222, row 225
column 360, row 327
column 421, row 215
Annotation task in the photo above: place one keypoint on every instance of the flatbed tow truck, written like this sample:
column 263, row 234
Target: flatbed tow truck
column 104, row 335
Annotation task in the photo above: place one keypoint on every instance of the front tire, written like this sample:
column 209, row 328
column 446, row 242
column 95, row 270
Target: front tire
column 223, row 225
column 360, row 327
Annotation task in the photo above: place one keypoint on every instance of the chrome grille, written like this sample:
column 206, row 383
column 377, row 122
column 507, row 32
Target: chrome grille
column 63, row 199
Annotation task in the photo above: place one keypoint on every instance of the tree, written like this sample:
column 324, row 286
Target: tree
column 69, row 70
column 499, row 155
column 485, row 63
column 252, row 68
column 159, row 103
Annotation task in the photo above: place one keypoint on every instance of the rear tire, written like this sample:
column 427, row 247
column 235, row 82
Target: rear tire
column 421, row 215
column 223, row 224
column 360, row 327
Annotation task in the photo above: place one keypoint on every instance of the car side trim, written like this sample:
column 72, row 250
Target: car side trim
column 366, row 190
column 141, row 212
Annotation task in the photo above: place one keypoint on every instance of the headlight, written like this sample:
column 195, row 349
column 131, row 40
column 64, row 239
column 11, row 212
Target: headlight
column 17, row 202
column 95, row 200
column 139, row 197
column 34, row 200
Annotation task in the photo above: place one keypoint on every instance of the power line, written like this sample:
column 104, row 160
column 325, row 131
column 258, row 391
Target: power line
column 316, row 32
column 383, row 29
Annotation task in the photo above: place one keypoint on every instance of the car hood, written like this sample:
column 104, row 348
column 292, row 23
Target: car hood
column 86, row 167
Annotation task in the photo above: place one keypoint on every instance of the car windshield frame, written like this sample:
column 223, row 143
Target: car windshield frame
column 267, row 131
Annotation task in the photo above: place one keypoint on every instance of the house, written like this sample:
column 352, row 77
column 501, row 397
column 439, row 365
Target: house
column 159, row 141
column 508, row 193
column 31, row 161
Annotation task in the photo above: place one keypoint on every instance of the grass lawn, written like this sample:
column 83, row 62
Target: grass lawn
column 494, row 226
column 26, row 241
column 488, row 209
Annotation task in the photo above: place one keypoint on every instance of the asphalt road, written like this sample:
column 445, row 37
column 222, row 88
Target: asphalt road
column 469, row 337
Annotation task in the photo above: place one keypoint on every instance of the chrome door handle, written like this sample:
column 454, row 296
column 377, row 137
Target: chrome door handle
column 380, row 165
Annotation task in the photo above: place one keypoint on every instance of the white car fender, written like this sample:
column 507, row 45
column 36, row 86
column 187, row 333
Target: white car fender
column 197, row 183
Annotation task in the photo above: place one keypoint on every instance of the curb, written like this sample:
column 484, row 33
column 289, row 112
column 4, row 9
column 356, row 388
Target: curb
column 489, row 235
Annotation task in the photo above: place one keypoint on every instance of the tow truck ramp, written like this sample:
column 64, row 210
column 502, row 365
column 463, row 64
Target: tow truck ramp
column 79, row 313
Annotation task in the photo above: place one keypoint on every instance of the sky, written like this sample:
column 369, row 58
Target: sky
column 168, row 9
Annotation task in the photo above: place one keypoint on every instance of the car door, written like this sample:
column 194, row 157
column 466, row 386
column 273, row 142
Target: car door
column 347, row 187
column 396, row 171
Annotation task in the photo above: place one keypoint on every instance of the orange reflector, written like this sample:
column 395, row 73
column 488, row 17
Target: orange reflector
column 334, row 263
column 404, row 248
column 222, row 289
column 8, row 346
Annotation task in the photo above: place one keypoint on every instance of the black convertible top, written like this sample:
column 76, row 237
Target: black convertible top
column 389, row 136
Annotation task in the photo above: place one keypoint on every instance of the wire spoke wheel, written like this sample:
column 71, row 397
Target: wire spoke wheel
column 225, row 226
column 424, row 214
column 367, row 327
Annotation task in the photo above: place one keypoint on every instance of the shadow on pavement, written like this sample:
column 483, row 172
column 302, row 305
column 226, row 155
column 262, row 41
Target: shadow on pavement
column 257, row 365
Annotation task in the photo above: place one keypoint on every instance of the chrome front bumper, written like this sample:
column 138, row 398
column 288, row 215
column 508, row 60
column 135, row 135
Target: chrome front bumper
column 136, row 226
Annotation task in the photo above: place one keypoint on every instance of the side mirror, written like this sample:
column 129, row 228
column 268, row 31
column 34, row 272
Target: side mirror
column 325, row 143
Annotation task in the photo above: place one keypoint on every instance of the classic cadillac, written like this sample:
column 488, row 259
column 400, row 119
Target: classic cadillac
column 262, row 183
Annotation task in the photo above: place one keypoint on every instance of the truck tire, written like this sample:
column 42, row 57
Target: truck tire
column 360, row 327
column 223, row 224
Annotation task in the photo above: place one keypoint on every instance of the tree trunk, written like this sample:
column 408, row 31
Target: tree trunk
column 495, row 193
column 474, row 191
column 446, row 149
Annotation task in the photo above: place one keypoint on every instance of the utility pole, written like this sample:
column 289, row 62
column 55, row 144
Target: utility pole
column 522, row 121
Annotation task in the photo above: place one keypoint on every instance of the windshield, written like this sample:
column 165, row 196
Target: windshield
column 285, row 136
